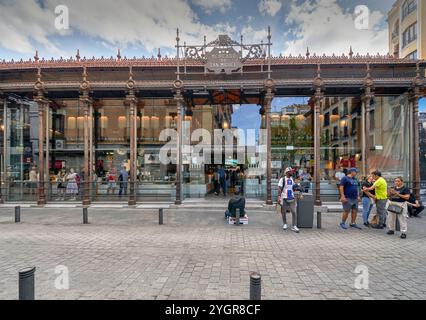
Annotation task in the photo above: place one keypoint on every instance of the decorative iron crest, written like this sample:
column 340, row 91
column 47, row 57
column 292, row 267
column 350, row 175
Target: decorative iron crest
column 225, row 55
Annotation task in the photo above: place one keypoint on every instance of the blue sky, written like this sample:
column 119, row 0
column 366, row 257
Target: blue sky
column 140, row 27
column 423, row 105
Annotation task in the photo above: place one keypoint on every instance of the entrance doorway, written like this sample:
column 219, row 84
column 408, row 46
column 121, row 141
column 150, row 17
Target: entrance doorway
column 230, row 156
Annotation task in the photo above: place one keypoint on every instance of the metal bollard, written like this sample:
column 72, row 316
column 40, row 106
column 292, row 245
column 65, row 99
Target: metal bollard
column 255, row 286
column 319, row 220
column 85, row 216
column 17, row 214
column 26, row 284
column 161, row 216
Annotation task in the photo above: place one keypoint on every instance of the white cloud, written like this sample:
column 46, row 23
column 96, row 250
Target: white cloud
column 254, row 36
column 23, row 23
column 270, row 7
column 150, row 24
column 324, row 27
column 209, row 6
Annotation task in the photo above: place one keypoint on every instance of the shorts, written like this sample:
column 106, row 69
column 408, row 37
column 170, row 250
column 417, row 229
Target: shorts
column 351, row 204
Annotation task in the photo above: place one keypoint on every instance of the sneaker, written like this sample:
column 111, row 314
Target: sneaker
column 285, row 227
column 355, row 226
column 391, row 233
column 377, row 227
column 367, row 224
column 403, row 236
column 295, row 229
column 343, row 226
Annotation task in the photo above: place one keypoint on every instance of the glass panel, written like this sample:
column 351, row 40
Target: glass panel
column 66, row 159
column 340, row 143
column 390, row 137
column 292, row 141
column 111, row 128
column 20, row 161
column 156, row 180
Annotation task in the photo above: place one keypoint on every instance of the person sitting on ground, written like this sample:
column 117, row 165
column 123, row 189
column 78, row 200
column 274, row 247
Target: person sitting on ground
column 237, row 202
column 415, row 207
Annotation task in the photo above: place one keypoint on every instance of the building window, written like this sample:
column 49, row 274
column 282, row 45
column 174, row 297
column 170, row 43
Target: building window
column 408, row 7
column 409, row 35
column 412, row 55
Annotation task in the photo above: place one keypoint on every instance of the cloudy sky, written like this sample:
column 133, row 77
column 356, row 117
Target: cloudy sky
column 140, row 27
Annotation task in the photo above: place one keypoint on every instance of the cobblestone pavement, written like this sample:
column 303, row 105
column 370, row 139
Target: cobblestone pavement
column 125, row 254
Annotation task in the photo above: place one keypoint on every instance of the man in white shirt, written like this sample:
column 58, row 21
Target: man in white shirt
column 287, row 199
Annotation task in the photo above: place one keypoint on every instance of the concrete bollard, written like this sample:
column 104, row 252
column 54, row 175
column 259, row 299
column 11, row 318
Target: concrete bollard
column 255, row 286
column 27, row 284
column 161, row 216
column 17, row 214
column 85, row 216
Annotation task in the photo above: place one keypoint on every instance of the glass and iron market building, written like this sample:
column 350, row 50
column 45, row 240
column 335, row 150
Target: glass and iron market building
column 101, row 116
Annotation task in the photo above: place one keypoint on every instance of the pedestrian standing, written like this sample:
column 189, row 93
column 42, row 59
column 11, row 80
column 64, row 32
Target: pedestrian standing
column 397, row 207
column 368, row 199
column 349, row 197
column 287, row 199
column 380, row 187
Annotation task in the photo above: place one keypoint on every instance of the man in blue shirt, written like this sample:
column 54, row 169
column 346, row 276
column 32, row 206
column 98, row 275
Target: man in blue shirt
column 349, row 197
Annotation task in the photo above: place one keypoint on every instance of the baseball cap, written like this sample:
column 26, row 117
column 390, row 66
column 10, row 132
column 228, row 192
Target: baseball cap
column 353, row 170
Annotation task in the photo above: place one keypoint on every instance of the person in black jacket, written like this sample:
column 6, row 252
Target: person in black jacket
column 415, row 207
column 237, row 203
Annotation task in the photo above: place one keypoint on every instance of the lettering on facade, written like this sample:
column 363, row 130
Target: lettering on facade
column 223, row 60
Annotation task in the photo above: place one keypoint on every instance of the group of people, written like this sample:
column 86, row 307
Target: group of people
column 222, row 179
column 390, row 204
column 69, row 184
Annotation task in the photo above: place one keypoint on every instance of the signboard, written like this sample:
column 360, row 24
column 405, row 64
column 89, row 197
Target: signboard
column 223, row 60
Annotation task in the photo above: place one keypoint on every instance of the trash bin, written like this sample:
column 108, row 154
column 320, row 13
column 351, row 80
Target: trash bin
column 305, row 211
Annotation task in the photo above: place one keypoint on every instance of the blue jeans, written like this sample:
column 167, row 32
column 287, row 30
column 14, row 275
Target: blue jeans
column 367, row 206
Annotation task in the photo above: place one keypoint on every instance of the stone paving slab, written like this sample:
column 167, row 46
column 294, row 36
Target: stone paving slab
column 125, row 254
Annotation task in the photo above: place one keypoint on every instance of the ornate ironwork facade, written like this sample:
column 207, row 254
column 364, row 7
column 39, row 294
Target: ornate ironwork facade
column 204, row 75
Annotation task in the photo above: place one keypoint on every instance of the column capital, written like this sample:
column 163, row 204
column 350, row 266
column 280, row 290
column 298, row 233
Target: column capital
column 85, row 84
column 131, row 99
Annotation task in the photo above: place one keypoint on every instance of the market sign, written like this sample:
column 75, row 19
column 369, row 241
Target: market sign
column 223, row 60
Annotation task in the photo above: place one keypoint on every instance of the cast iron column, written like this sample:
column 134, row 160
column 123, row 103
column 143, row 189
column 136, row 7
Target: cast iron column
column 131, row 99
column 366, row 108
column 85, row 101
column 41, row 201
column 416, row 94
column 268, row 100
column 180, row 110
column 319, row 96
column 39, row 91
